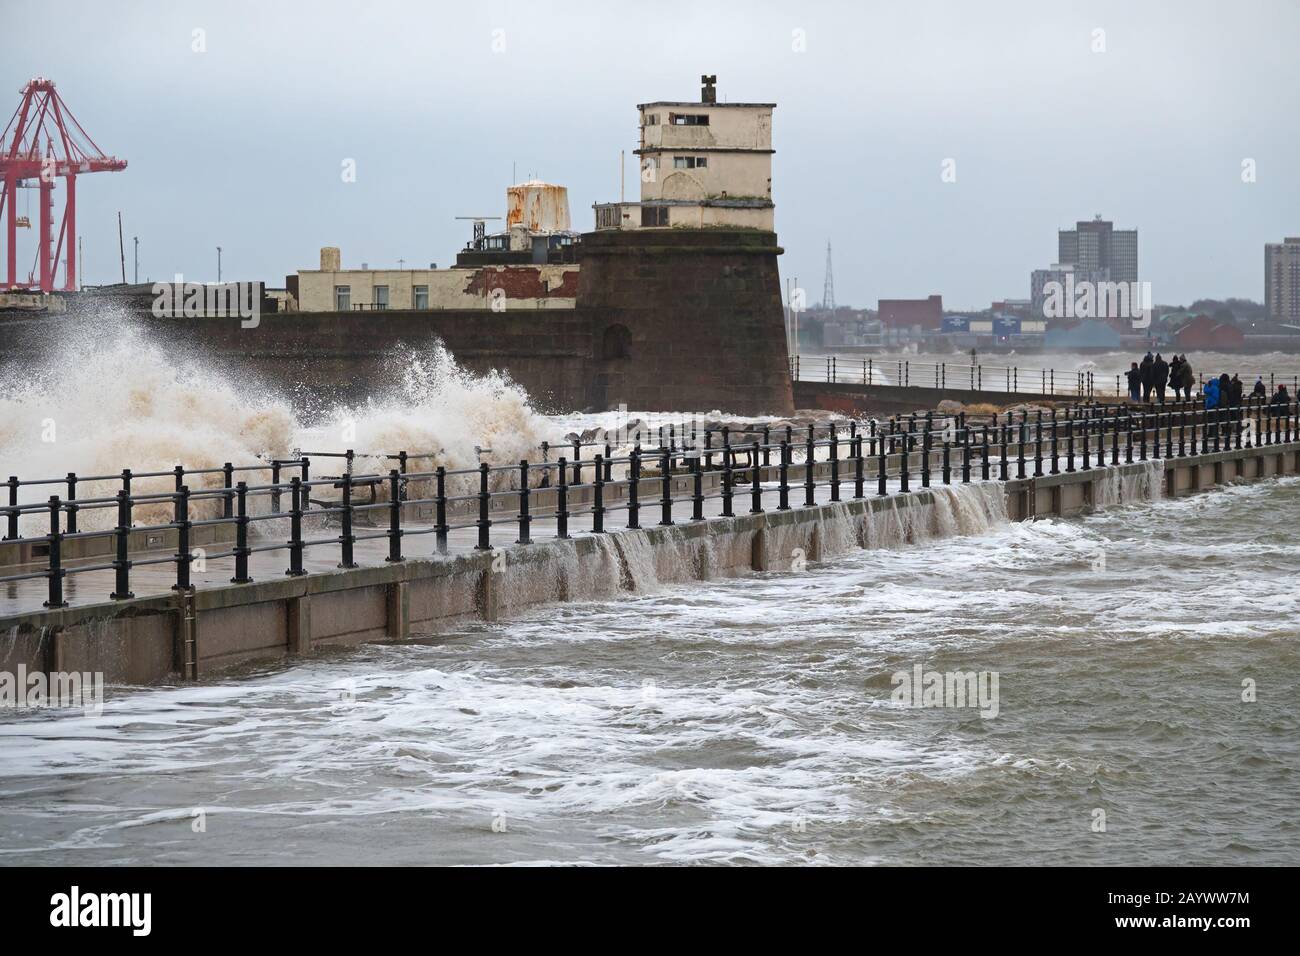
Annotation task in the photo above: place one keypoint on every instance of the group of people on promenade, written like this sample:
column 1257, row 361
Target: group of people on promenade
column 1153, row 376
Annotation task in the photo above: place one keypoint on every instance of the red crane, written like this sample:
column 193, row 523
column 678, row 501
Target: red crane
column 68, row 152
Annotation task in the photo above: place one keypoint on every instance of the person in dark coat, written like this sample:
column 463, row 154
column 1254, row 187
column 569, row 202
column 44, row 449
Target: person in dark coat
column 1176, row 377
column 1235, row 390
column 1259, row 391
column 1147, row 377
column 1188, row 376
column 1281, row 396
column 1159, row 377
column 1225, row 389
column 1134, row 376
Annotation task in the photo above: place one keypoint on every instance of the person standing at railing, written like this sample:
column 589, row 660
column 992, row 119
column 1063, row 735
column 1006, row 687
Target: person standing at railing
column 1160, row 377
column 1211, row 392
column 1235, row 387
column 1134, row 376
column 1148, row 376
column 1176, row 376
column 1260, row 391
column 1280, row 397
column 1187, row 376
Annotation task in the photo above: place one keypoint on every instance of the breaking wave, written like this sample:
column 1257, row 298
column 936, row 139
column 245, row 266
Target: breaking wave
column 130, row 401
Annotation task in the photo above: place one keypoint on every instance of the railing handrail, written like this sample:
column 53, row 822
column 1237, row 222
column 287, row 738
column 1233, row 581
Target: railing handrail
column 1018, row 438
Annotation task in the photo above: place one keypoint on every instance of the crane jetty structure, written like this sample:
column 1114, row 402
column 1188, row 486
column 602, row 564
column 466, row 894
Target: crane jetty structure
column 41, row 144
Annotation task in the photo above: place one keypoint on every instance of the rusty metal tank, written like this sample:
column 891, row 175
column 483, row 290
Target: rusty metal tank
column 538, row 207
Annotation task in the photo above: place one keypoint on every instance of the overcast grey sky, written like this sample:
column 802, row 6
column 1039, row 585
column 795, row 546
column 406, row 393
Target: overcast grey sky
column 241, row 146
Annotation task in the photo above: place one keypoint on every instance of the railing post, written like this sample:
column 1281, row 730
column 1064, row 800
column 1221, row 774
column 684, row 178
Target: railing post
column 297, row 492
column 755, row 482
column 183, row 556
column 440, row 509
column 783, row 478
column 241, row 535
column 562, row 500
column 55, row 570
column 346, row 538
column 1114, row 436
column 965, row 455
column 881, row 466
column 71, row 506
column 11, row 517
column 1038, row 444
column 1087, row 449
column 524, row 517
column 728, row 476
column 925, row 452
column 633, row 488
column 228, row 499
column 1056, row 445
column 904, row 461
column 1020, row 447
column 859, row 468
column 275, row 484
column 305, row 474
column 835, row 463
column 1069, row 442
column 810, row 478
column 395, row 516
column 697, row 486
column 1003, row 473
column 1142, row 435
column 121, row 562
column 577, row 462
column 767, row 446
column 665, row 488
column 484, row 523
column 598, row 497
column 984, row 457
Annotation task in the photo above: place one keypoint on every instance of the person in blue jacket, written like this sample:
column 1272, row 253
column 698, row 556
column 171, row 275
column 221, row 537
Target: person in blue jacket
column 1211, row 392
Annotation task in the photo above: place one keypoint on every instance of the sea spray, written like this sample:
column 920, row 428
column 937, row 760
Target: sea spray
column 129, row 401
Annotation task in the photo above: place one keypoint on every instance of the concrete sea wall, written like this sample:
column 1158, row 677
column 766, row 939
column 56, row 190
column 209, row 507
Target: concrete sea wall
column 212, row 630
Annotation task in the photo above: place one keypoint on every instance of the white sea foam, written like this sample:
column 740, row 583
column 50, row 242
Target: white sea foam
column 132, row 402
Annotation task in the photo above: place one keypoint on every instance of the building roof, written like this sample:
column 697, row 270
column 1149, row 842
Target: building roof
column 697, row 103
column 701, row 149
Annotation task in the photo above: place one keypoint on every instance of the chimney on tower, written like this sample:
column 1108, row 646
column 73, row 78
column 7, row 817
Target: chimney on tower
column 707, row 93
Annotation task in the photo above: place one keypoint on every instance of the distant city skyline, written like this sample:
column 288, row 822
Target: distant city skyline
column 938, row 147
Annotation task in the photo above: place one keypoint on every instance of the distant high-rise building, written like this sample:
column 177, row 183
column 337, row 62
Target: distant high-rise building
column 1282, row 279
column 1096, row 246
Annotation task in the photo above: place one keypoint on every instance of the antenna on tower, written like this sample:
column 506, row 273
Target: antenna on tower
column 828, row 292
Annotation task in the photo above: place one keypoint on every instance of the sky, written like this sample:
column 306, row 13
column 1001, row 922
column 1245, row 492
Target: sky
column 237, row 135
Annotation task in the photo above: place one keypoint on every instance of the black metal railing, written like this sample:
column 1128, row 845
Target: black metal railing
column 709, row 464
column 836, row 369
column 875, row 370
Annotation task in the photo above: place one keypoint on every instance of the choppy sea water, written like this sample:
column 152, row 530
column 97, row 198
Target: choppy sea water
column 746, row 720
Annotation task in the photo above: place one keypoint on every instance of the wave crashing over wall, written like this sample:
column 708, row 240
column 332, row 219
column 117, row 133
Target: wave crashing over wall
column 601, row 567
column 1128, row 484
